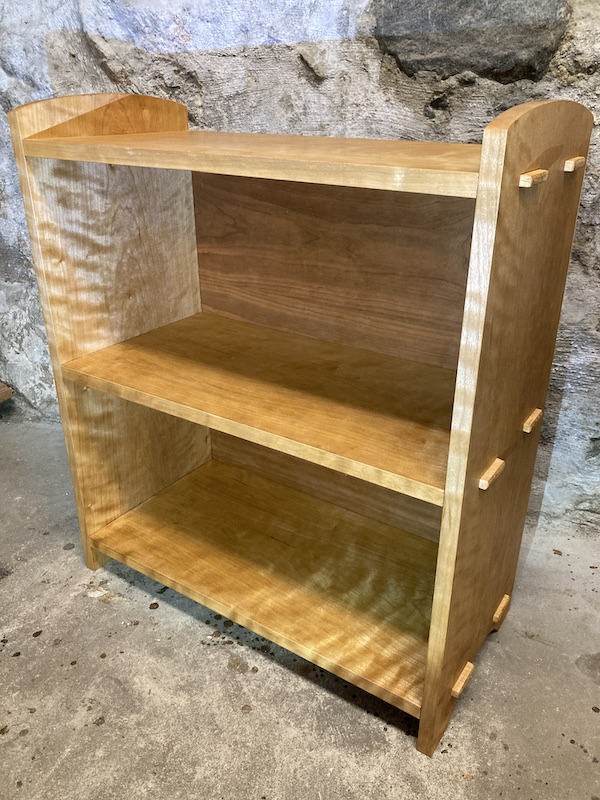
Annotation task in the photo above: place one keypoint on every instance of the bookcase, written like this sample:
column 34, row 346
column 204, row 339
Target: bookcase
column 301, row 379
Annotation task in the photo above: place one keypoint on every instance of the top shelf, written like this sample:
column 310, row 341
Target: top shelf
column 424, row 167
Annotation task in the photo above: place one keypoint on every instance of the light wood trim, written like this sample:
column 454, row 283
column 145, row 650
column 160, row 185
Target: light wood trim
column 501, row 612
column 346, row 592
column 5, row 392
column 104, row 115
column 512, row 308
column 573, row 164
column 529, row 179
column 491, row 473
column 533, row 420
column 426, row 167
column 381, row 419
column 463, row 679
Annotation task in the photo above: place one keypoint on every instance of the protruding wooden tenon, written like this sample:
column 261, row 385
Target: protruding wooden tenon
column 501, row 612
column 529, row 179
column 533, row 420
column 463, row 679
column 491, row 473
column 573, row 164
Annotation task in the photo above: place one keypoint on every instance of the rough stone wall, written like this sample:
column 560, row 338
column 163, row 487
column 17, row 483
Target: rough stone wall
column 385, row 68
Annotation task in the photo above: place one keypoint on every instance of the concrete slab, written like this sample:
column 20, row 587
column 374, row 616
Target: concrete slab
column 105, row 696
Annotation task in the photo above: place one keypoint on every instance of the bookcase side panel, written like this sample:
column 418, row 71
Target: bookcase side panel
column 114, row 252
column 383, row 271
column 117, row 251
column 521, row 245
column 125, row 453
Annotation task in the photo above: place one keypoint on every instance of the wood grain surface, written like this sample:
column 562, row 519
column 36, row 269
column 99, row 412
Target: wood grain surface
column 426, row 167
column 332, row 368
column 368, row 499
column 126, row 452
column 379, row 418
column 521, row 245
column 385, row 271
column 104, row 239
column 350, row 594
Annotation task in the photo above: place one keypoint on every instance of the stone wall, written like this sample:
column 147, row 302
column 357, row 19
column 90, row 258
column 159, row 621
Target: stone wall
column 385, row 68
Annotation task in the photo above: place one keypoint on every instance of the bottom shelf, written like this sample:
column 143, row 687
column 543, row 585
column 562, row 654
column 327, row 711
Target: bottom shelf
column 348, row 593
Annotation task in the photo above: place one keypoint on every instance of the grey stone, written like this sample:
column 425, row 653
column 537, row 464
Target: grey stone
column 506, row 41
column 397, row 17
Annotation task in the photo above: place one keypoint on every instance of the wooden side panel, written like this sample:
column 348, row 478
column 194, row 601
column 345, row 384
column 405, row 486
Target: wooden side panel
column 383, row 271
column 114, row 250
column 384, row 505
column 118, row 251
column 521, row 245
column 125, row 453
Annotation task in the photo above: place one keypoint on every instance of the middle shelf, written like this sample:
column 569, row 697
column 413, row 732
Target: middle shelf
column 377, row 417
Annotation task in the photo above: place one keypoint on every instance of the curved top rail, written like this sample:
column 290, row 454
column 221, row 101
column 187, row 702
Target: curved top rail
column 98, row 115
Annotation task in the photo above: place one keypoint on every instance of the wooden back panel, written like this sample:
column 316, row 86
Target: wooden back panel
column 521, row 245
column 104, row 239
column 369, row 499
column 385, row 271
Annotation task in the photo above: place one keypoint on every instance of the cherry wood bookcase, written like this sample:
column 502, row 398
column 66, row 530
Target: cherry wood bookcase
column 301, row 379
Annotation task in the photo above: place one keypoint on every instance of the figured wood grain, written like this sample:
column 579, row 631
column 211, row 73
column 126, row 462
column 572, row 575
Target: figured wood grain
column 368, row 499
column 103, row 239
column 379, row 418
column 126, row 452
column 350, row 594
column 519, row 259
column 427, row 167
column 384, row 271
column 110, row 236
column 114, row 248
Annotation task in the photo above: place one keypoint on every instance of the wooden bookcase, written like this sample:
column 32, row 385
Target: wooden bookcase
column 301, row 378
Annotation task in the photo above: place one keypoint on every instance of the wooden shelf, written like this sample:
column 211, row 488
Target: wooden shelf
column 348, row 593
column 424, row 167
column 382, row 419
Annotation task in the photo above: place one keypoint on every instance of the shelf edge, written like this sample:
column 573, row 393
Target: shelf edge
column 389, row 480
column 447, row 183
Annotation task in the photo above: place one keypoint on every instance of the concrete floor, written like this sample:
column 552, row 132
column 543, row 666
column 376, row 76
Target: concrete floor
column 104, row 695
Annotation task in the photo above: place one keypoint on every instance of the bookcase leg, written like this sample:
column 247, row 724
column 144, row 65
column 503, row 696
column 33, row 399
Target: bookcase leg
column 432, row 726
column 94, row 559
